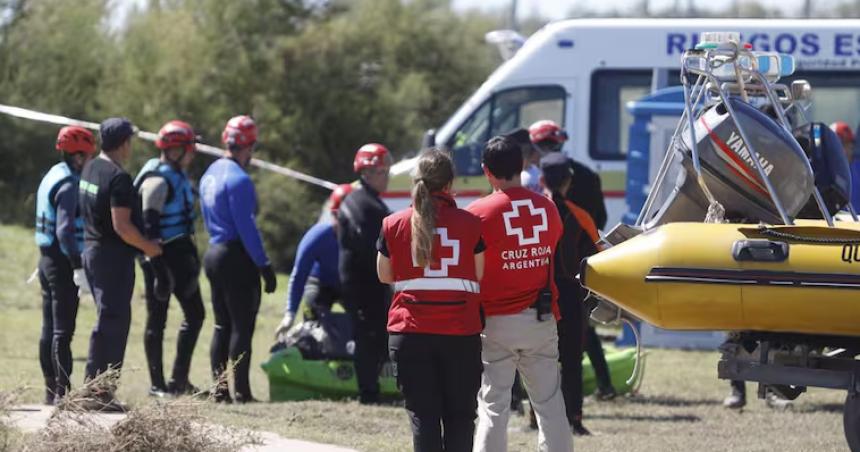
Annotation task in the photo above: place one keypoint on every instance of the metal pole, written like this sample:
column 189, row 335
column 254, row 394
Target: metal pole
column 668, row 157
column 780, row 113
column 770, row 188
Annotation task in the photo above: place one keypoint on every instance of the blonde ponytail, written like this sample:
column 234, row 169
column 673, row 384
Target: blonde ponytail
column 434, row 173
column 423, row 223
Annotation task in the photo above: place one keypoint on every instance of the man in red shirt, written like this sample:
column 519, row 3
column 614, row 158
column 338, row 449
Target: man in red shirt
column 520, row 229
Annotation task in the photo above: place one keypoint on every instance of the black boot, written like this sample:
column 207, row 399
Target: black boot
column 50, row 390
column 578, row 429
column 153, row 346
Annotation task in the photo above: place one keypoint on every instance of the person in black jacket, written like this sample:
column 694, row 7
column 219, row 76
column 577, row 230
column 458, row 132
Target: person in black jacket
column 586, row 190
column 365, row 297
column 577, row 242
column 112, row 238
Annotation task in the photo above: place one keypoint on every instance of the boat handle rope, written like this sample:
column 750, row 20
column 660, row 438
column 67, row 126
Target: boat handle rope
column 764, row 230
column 634, row 377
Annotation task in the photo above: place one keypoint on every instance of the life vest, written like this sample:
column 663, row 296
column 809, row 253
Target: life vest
column 579, row 239
column 46, row 210
column 444, row 296
column 177, row 216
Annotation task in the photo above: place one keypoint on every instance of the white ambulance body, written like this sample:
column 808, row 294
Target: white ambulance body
column 582, row 73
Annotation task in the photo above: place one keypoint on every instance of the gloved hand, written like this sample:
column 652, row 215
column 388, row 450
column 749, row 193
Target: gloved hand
column 269, row 278
column 80, row 280
column 284, row 327
column 163, row 282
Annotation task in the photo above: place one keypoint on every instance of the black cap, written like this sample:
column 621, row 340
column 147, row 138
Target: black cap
column 556, row 169
column 521, row 136
column 114, row 131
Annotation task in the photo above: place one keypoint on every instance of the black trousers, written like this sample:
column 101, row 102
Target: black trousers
column 183, row 263
column 110, row 272
column 571, row 339
column 367, row 306
column 439, row 377
column 59, row 312
column 318, row 299
column 594, row 349
column 235, row 283
column 740, row 387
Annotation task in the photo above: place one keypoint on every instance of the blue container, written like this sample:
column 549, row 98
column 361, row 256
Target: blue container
column 667, row 102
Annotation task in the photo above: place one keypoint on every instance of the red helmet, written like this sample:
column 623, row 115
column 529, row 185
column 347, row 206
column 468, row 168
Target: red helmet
column 547, row 130
column 73, row 139
column 176, row 134
column 338, row 195
column 371, row 155
column 843, row 130
column 240, row 131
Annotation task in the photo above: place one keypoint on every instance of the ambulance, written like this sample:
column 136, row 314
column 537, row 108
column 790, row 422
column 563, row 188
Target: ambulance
column 582, row 73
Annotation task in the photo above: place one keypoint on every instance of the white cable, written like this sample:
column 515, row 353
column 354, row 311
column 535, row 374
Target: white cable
column 636, row 364
column 149, row 136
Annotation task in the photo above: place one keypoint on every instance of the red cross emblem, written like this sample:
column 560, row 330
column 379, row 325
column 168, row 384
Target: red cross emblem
column 441, row 246
column 525, row 221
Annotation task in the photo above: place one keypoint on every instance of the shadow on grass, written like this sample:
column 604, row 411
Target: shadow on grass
column 820, row 408
column 670, row 401
column 646, row 418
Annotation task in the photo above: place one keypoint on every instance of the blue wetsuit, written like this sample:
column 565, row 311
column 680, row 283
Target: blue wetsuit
column 232, row 263
column 229, row 204
column 316, row 257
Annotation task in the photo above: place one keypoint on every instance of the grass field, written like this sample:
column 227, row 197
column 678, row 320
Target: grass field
column 678, row 408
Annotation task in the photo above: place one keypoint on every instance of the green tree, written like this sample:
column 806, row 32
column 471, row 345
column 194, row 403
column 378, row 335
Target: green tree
column 51, row 58
column 379, row 71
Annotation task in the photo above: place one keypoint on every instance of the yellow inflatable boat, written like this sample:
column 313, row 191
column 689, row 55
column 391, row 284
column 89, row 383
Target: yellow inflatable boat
column 803, row 278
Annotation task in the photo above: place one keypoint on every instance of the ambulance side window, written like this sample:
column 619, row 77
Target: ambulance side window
column 467, row 143
column 520, row 107
column 609, row 120
column 502, row 113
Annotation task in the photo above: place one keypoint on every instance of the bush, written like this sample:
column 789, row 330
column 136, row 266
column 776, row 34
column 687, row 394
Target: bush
column 287, row 209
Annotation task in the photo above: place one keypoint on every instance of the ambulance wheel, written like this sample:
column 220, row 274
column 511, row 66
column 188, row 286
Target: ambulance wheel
column 851, row 421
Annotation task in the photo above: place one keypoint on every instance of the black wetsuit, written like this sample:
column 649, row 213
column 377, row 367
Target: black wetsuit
column 59, row 294
column 365, row 298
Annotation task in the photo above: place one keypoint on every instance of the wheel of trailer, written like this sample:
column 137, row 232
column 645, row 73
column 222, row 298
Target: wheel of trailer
column 787, row 392
column 851, row 420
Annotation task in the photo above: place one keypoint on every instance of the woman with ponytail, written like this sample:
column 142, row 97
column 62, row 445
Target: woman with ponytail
column 432, row 255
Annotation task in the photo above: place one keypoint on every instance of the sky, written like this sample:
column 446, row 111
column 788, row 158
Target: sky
column 558, row 9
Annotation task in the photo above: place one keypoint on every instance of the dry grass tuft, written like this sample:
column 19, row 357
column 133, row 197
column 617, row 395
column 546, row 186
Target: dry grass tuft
column 7, row 432
column 174, row 425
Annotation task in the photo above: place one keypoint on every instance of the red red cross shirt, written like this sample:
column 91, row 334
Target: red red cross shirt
column 520, row 230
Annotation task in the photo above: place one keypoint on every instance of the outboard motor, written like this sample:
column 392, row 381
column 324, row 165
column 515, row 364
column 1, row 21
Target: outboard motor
column 729, row 171
column 832, row 172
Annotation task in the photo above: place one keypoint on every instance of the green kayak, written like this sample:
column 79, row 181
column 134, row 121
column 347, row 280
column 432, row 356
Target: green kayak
column 293, row 378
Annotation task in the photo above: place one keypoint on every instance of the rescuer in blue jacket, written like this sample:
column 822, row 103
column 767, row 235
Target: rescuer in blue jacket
column 315, row 275
column 167, row 201
column 235, row 259
column 60, row 237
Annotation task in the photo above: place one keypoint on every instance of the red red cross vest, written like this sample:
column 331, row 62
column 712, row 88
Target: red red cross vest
column 442, row 298
column 521, row 230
